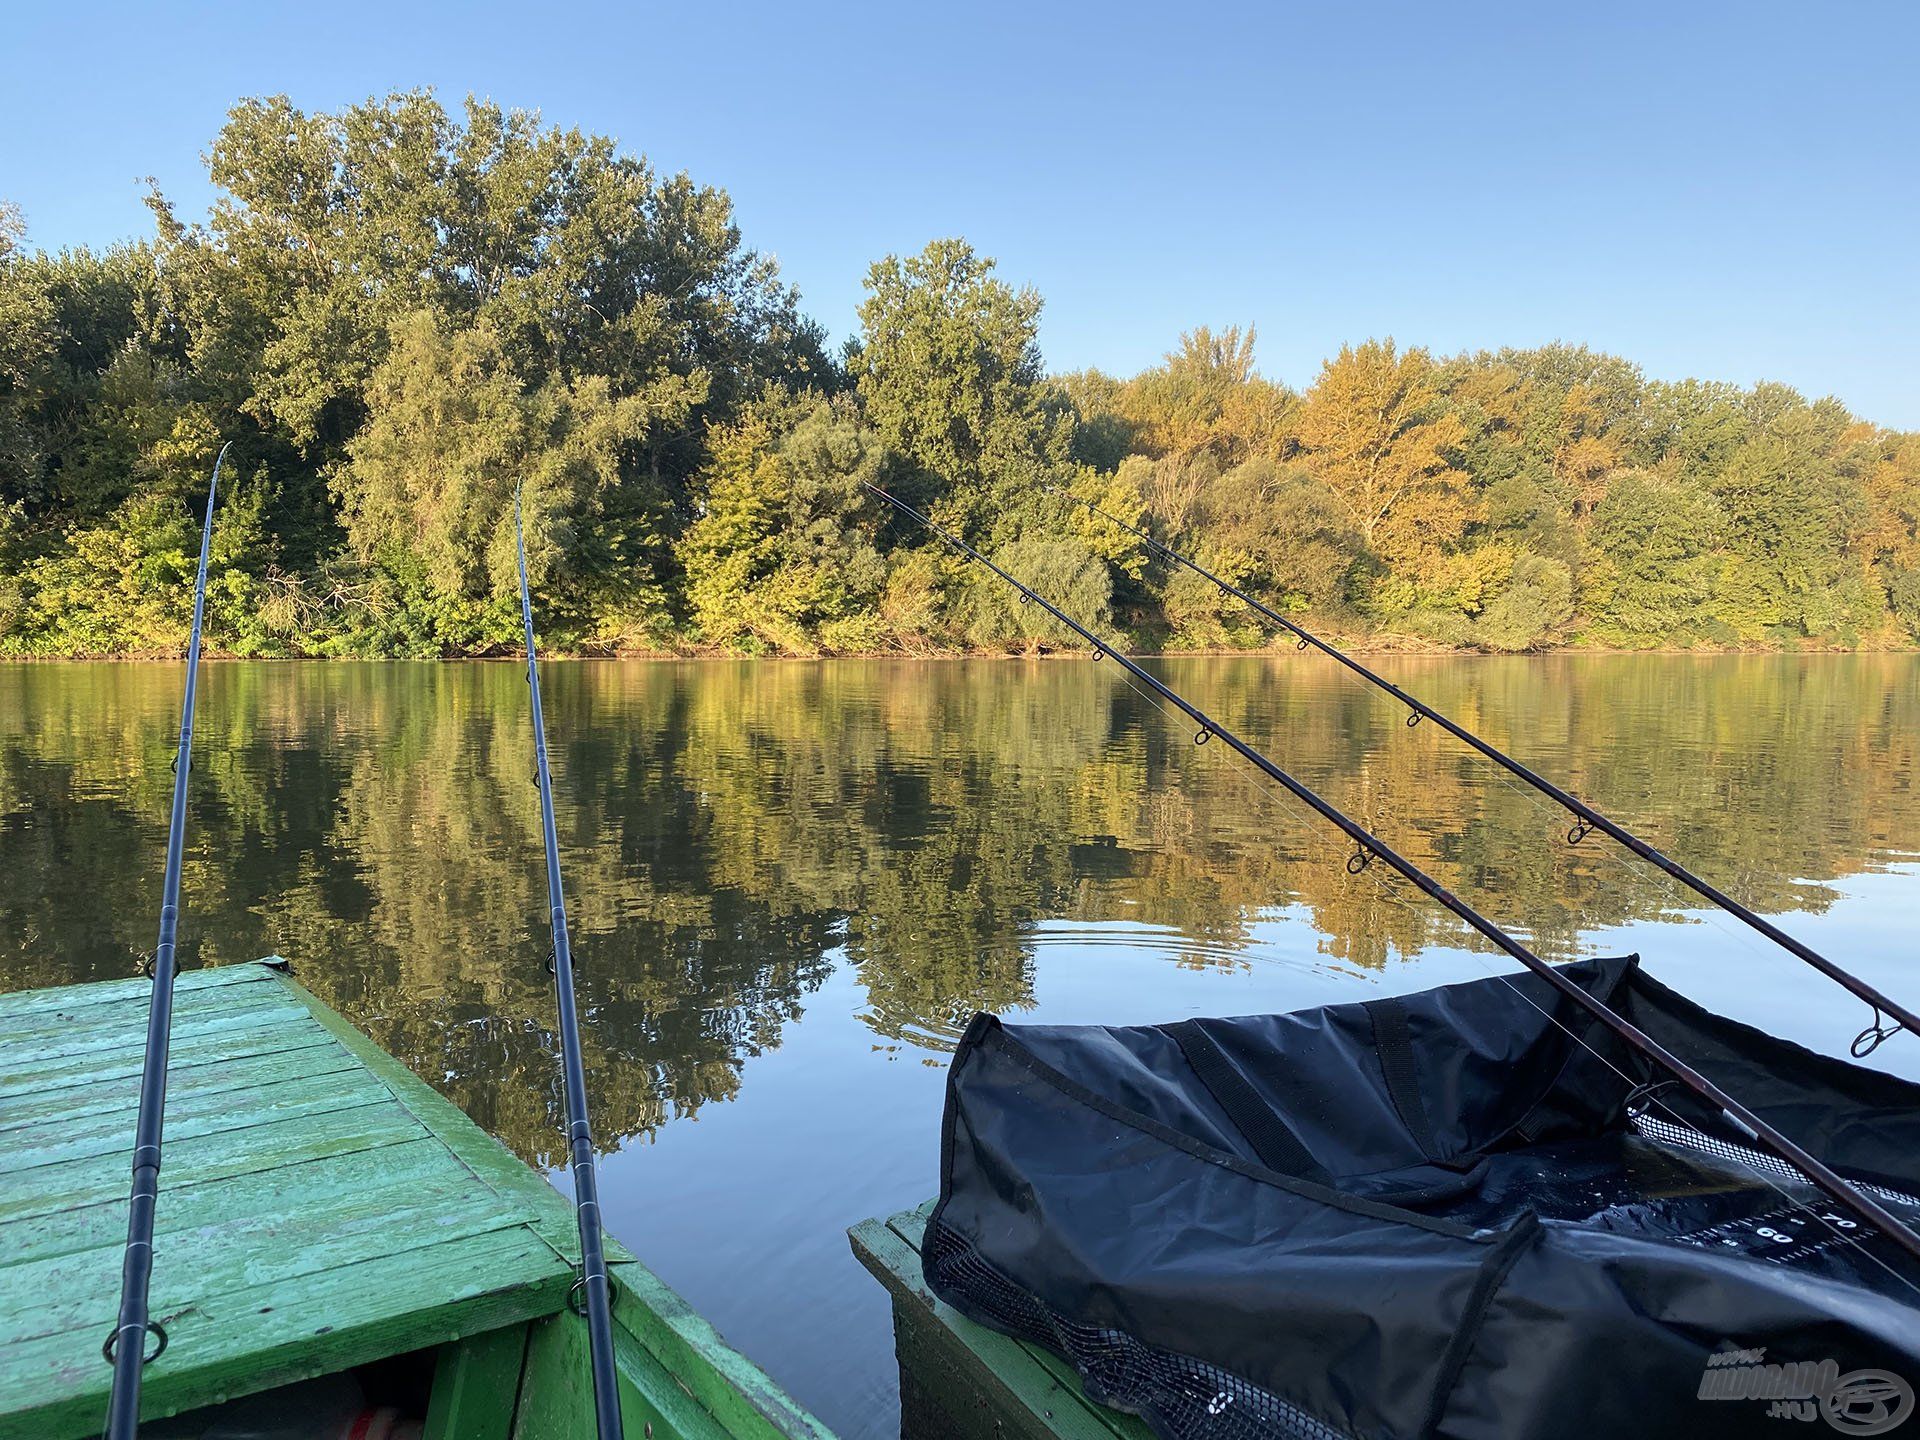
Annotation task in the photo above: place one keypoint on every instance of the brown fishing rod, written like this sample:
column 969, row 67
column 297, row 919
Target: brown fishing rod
column 1586, row 818
column 126, row 1348
column 1371, row 848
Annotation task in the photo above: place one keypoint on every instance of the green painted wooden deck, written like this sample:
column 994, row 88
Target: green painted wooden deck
column 963, row 1380
column 320, row 1207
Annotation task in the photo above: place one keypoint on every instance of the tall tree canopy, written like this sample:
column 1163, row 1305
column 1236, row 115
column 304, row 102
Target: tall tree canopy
column 948, row 370
column 1374, row 431
column 402, row 313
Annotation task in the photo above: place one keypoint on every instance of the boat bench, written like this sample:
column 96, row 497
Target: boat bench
column 960, row 1379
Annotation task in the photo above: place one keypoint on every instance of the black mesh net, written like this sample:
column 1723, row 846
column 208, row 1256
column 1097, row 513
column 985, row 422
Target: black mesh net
column 1180, row 1397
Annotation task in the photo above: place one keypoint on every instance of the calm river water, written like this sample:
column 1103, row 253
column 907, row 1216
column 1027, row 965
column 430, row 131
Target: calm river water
column 793, row 882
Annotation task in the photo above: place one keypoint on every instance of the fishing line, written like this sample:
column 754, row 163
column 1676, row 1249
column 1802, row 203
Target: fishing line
column 1387, row 893
column 1586, row 818
column 1369, row 848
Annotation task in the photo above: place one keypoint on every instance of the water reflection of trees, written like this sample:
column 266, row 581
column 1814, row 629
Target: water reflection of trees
column 730, row 830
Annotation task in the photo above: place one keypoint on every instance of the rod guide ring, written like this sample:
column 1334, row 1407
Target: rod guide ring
column 112, row 1343
column 577, row 1296
column 1869, row 1039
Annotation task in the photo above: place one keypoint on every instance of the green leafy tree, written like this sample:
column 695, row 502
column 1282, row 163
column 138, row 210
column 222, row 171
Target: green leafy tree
column 1793, row 500
column 399, row 310
column 27, row 332
column 1207, row 396
column 1891, row 535
column 949, row 373
column 1067, row 572
column 124, row 586
column 1102, row 436
column 784, row 554
column 452, row 431
column 1271, row 529
column 1533, row 609
column 1656, row 565
column 588, row 272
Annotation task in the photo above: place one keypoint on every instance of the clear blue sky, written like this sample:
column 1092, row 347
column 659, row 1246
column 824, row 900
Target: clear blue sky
column 1731, row 192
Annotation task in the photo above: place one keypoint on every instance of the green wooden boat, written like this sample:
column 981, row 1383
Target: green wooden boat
column 323, row 1213
column 962, row 1380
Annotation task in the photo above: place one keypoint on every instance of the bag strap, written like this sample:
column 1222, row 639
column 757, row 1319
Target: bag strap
column 1269, row 1136
column 1393, row 1045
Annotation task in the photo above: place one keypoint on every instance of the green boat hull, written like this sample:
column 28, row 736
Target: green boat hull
column 321, row 1211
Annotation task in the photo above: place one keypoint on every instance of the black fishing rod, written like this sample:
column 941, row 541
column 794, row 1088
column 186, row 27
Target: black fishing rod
column 1370, row 848
column 586, row 1185
column 126, row 1347
column 1586, row 818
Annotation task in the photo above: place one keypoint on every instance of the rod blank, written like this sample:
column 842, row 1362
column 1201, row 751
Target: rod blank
column 126, row 1347
column 586, row 1185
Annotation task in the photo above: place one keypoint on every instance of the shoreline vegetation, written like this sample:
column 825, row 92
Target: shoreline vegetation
column 398, row 312
column 1375, row 646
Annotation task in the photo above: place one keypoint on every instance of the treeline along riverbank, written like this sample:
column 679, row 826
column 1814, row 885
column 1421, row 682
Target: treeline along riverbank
column 397, row 313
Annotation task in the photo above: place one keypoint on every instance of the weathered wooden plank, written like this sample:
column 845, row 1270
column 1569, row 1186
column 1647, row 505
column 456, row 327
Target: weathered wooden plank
column 556, row 1394
column 283, row 1030
column 485, row 1156
column 128, row 1016
column 321, row 1207
column 56, row 1385
column 74, row 998
column 940, row 1399
column 1015, row 1379
column 911, row 1227
column 650, row 1394
column 330, row 1184
column 555, row 1403
column 476, row 1386
column 214, row 1157
column 211, row 1076
column 26, row 1056
column 190, row 1116
column 296, row 1260
column 725, row 1383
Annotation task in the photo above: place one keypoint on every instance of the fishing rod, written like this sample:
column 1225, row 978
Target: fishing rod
column 1370, row 848
column 126, row 1348
column 586, row 1185
column 1586, row 818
